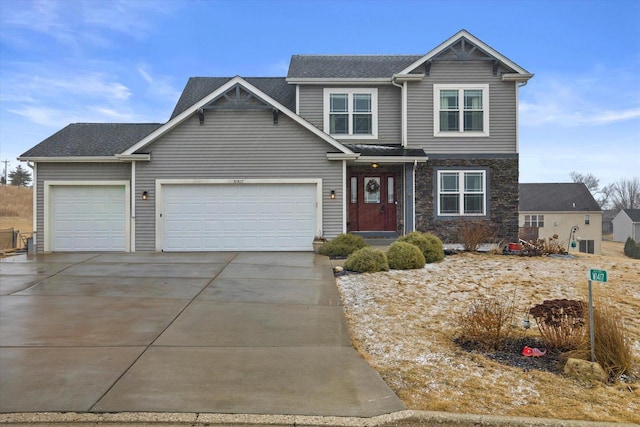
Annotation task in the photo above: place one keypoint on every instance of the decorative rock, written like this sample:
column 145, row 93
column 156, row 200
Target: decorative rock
column 338, row 269
column 585, row 371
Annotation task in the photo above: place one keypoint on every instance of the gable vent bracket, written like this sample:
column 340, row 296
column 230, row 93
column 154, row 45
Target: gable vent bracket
column 496, row 65
column 201, row 116
column 275, row 116
column 427, row 68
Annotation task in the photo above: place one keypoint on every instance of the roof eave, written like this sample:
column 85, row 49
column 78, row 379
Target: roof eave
column 401, row 78
column 338, row 81
column 69, row 159
column 516, row 77
column 391, row 159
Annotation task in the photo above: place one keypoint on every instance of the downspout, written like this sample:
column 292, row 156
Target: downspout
column 413, row 192
column 132, row 230
column 35, row 202
column 403, row 109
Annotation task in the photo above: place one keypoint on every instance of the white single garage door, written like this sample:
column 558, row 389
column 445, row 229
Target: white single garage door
column 238, row 217
column 88, row 218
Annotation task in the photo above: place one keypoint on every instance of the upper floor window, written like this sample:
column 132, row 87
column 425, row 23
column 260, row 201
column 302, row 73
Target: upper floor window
column 587, row 219
column 534, row 220
column 351, row 113
column 461, row 193
column 461, row 110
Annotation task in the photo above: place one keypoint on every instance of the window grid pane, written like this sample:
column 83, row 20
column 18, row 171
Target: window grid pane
column 449, row 204
column 362, row 102
column 339, row 103
column 339, row 123
column 362, row 124
column 354, row 189
column 449, row 181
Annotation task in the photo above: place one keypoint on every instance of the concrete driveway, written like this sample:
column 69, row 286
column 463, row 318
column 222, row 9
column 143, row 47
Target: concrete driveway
column 255, row 333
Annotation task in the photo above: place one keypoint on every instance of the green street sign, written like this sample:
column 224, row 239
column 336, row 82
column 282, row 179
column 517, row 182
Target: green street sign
column 598, row 275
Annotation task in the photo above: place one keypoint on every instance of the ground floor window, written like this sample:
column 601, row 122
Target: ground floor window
column 587, row 246
column 534, row 220
column 461, row 193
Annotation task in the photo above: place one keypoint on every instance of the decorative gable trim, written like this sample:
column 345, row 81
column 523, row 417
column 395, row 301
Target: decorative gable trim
column 195, row 108
column 525, row 75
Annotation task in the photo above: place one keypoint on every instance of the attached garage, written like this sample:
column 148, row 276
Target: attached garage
column 86, row 217
column 239, row 215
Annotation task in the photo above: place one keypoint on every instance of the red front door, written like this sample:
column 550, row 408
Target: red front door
column 373, row 201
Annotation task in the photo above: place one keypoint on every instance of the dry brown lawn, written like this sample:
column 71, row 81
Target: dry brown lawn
column 404, row 322
column 16, row 211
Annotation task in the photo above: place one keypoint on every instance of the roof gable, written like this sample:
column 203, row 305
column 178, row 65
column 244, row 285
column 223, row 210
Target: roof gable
column 220, row 91
column 199, row 87
column 633, row 214
column 455, row 47
column 91, row 140
column 556, row 197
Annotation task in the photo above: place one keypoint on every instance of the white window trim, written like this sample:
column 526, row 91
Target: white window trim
column 461, row 193
column 350, row 91
column 461, row 87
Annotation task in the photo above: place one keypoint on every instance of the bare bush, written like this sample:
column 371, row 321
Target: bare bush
column 474, row 233
column 561, row 323
column 487, row 323
column 544, row 247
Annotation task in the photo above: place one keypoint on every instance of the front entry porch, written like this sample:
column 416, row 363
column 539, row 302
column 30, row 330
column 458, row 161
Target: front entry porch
column 374, row 197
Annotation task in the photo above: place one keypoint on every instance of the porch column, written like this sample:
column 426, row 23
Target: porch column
column 409, row 206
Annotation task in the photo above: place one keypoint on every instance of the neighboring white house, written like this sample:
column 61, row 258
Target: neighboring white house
column 627, row 224
column 557, row 209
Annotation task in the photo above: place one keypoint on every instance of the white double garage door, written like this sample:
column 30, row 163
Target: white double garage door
column 277, row 216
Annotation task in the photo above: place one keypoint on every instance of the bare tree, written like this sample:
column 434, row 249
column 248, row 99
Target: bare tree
column 593, row 185
column 625, row 193
column 587, row 179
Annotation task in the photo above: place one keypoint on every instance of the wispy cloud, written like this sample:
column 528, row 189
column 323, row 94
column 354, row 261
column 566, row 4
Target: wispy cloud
column 596, row 99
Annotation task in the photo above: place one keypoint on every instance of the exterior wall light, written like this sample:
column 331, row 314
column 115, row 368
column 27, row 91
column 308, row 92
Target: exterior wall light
column 145, row 195
column 374, row 165
column 332, row 195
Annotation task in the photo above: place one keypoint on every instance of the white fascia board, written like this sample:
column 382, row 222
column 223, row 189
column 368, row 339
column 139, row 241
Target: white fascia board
column 342, row 156
column 390, row 159
column 453, row 39
column 339, row 81
column 408, row 77
column 514, row 77
column 213, row 95
column 70, row 159
column 134, row 157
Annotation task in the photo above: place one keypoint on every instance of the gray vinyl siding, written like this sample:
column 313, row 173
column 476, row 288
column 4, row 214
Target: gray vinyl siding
column 73, row 172
column 237, row 144
column 502, row 110
column 311, row 106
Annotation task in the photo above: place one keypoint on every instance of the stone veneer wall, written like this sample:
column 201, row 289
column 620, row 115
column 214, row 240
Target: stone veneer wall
column 503, row 197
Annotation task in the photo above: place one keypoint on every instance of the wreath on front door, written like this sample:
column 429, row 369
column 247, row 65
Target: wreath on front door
column 372, row 186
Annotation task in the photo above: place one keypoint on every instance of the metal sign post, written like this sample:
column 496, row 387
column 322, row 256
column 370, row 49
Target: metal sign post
column 598, row 276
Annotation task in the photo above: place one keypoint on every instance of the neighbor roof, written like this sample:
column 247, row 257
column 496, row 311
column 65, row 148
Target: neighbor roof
column 91, row 140
column 199, row 87
column 561, row 197
column 634, row 214
column 348, row 66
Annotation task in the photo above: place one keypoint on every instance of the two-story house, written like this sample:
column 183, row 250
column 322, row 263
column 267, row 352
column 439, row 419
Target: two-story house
column 381, row 144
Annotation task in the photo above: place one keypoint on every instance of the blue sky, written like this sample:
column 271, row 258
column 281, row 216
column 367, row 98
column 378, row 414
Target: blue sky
column 127, row 61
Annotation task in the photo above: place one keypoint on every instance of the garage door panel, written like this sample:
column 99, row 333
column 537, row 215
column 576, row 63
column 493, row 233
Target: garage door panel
column 88, row 218
column 238, row 217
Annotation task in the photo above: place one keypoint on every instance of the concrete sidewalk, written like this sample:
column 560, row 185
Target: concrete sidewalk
column 230, row 333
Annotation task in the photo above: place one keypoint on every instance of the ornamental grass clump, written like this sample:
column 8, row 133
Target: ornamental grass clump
column 612, row 345
column 429, row 244
column 367, row 260
column 342, row 245
column 405, row 256
column 487, row 323
column 561, row 323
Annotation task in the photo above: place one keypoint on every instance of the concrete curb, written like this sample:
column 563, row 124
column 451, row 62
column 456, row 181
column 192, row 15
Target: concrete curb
column 406, row 418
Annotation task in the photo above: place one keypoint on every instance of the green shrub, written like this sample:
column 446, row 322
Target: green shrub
column 435, row 250
column 632, row 249
column 343, row 245
column 367, row 260
column 429, row 244
column 405, row 256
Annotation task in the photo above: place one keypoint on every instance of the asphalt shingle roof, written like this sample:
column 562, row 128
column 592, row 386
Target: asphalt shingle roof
column 199, row 87
column 92, row 139
column 549, row 197
column 634, row 214
column 385, row 150
column 348, row 66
